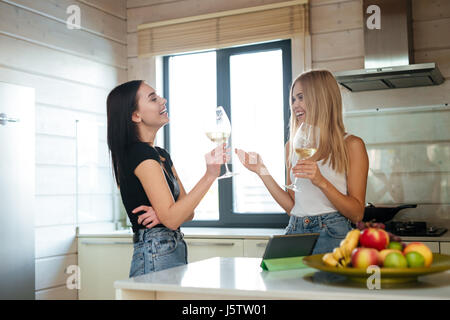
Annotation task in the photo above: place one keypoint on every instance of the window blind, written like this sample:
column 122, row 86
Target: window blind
column 223, row 29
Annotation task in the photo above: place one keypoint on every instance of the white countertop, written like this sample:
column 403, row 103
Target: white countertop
column 200, row 232
column 243, row 277
column 232, row 233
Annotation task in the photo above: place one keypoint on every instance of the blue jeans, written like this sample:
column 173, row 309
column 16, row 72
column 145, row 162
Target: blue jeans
column 157, row 249
column 332, row 227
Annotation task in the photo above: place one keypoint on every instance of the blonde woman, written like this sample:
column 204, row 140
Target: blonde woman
column 333, row 181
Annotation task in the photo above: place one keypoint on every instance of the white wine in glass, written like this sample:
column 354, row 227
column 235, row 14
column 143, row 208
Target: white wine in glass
column 306, row 142
column 305, row 153
column 218, row 137
column 218, row 130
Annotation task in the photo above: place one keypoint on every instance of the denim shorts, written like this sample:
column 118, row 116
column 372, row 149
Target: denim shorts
column 332, row 229
column 157, row 249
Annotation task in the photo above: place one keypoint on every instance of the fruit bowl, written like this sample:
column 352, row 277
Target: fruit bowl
column 441, row 262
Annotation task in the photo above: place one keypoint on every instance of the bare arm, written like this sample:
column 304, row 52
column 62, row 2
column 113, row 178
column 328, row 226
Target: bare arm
column 182, row 192
column 149, row 218
column 172, row 214
column 350, row 205
column 254, row 163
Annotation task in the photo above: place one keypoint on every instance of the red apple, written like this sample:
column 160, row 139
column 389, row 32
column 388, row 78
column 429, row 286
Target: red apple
column 364, row 257
column 374, row 238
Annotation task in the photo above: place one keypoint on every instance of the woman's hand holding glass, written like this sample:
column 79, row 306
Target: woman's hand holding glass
column 305, row 145
column 217, row 128
column 309, row 169
column 215, row 159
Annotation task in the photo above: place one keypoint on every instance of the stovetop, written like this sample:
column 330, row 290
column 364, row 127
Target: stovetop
column 414, row 229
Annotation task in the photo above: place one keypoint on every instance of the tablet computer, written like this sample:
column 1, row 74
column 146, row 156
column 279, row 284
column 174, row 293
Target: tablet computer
column 291, row 245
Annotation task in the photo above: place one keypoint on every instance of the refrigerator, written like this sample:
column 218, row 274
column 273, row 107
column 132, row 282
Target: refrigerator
column 17, row 189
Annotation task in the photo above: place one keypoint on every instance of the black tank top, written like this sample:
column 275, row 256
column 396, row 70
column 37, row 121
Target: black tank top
column 131, row 189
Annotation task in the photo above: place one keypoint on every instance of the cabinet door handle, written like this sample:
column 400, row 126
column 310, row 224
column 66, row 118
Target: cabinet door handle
column 105, row 243
column 261, row 244
column 200, row 244
column 4, row 119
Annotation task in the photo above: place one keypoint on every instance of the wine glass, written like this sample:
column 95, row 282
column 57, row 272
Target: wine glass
column 219, row 132
column 305, row 144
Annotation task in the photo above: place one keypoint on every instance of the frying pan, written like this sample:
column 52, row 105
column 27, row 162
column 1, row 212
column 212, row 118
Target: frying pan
column 383, row 214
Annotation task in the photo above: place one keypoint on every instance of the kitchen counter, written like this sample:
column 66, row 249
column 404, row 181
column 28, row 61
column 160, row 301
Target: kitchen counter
column 242, row 278
column 235, row 233
column 201, row 232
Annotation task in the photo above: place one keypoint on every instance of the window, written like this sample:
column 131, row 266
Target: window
column 252, row 84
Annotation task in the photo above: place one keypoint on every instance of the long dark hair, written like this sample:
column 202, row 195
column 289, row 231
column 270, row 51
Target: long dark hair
column 122, row 131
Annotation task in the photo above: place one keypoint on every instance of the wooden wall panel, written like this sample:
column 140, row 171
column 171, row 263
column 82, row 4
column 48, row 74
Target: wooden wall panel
column 340, row 65
column 51, row 272
column 55, row 180
column 54, row 210
column 57, row 93
column 432, row 34
column 55, row 241
column 92, row 20
column 94, row 208
column 22, row 55
column 132, row 48
column 60, row 293
column 337, row 45
column 315, row 3
column 30, row 26
column 430, row 9
column 61, row 122
column 142, row 69
column 55, row 150
column 144, row 3
column 116, row 8
column 336, row 17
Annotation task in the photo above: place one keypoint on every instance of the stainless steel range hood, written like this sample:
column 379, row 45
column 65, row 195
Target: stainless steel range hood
column 389, row 55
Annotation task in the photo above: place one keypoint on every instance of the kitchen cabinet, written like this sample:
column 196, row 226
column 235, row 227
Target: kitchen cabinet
column 105, row 260
column 102, row 261
column 254, row 248
column 445, row 248
column 200, row 249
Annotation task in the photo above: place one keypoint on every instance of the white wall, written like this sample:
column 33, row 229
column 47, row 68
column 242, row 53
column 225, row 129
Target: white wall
column 72, row 72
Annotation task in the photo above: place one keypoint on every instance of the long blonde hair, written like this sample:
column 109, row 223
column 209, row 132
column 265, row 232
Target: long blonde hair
column 323, row 109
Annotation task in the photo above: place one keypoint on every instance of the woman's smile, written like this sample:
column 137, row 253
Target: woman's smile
column 299, row 113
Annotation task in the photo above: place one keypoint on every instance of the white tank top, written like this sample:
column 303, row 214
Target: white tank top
column 311, row 201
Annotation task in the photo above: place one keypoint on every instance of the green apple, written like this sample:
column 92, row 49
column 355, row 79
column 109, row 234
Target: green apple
column 395, row 245
column 395, row 260
column 415, row 259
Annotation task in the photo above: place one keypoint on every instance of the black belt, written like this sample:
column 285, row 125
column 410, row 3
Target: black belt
column 136, row 237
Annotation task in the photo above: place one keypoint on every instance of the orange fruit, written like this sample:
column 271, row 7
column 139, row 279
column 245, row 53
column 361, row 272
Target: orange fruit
column 422, row 249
